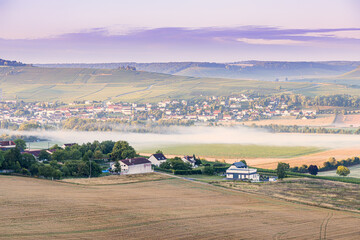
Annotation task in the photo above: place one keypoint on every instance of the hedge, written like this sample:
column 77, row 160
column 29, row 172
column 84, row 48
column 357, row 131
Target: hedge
column 163, row 169
column 220, row 169
column 187, row 172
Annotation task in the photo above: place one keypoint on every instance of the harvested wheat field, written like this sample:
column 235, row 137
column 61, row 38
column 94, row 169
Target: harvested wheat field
column 117, row 179
column 166, row 209
column 315, row 158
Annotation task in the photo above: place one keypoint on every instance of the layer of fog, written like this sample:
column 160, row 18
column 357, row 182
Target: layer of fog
column 197, row 135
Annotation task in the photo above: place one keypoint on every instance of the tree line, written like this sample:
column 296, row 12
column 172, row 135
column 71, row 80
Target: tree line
column 73, row 161
column 304, row 129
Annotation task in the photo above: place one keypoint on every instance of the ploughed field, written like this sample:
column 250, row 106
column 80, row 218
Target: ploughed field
column 163, row 209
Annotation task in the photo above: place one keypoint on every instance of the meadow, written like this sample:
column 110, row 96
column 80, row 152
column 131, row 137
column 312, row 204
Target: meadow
column 317, row 192
column 234, row 150
column 354, row 172
column 166, row 209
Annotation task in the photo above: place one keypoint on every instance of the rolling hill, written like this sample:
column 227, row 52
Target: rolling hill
column 259, row 70
column 29, row 83
column 354, row 74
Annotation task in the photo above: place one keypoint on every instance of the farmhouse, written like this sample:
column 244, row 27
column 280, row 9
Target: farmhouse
column 134, row 166
column 157, row 159
column 189, row 159
column 239, row 171
column 7, row 144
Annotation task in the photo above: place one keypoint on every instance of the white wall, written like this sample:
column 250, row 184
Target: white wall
column 140, row 168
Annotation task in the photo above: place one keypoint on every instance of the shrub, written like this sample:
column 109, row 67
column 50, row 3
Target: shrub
column 313, row 169
column 208, row 170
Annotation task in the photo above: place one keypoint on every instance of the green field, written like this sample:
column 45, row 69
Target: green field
column 234, row 150
column 354, row 172
column 70, row 84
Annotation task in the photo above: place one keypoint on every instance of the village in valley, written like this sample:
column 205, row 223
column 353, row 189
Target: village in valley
column 184, row 112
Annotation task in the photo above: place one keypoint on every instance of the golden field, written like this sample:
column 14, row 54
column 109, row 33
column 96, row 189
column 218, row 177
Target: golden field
column 166, row 209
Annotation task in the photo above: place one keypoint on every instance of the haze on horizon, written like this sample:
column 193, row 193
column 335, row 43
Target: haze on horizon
column 50, row 31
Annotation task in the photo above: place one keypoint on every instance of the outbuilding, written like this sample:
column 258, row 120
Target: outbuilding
column 134, row 166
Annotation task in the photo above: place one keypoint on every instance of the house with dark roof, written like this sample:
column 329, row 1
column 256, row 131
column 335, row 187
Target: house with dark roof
column 157, row 159
column 134, row 166
column 189, row 159
column 239, row 171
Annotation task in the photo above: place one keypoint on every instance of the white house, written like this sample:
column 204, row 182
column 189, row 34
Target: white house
column 134, row 166
column 239, row 171
column 189, row 159
column 157, row 159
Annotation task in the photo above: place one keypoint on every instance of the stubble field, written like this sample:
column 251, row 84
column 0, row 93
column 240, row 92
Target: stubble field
column 166, row 209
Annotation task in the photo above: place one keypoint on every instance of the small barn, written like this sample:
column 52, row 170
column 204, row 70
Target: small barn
column 134, row 166
column 239, row 171
column 157, row 159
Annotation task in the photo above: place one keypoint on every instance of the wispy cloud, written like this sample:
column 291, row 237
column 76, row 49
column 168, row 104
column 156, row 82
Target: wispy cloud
column 179, row 44
column 269, row 41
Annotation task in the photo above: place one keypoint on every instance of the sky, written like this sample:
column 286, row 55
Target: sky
column 89, row 31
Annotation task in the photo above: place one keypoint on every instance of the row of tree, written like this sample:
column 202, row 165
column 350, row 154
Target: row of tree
column 74, row 161
column 304, row 129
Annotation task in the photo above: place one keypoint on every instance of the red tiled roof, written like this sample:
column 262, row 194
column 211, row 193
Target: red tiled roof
column 7, row 143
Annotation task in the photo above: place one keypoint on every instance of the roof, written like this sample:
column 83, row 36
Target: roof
column 69, row 144
column 36, row 153
column 240, row 165
column 190, row 159
column 7, row 143
column 159, row 156
column 135, row 161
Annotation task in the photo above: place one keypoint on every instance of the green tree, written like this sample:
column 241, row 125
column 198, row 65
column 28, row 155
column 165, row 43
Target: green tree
column 27, row 160
column 342, row 171
column 21, row 144
column 313, row 169
column 281, row 170
column 44, row 155
column 2, row 159
column 46, row 171
column 208, row 170
column 122, row 150
column 117, row 167
column 158, row 151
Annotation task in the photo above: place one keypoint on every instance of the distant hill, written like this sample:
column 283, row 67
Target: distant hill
column 352, row 74
column 29, row 83
column 8, row 63
column 259, row 70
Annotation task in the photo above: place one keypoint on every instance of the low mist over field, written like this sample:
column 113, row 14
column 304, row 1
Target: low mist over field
column 204, row 135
